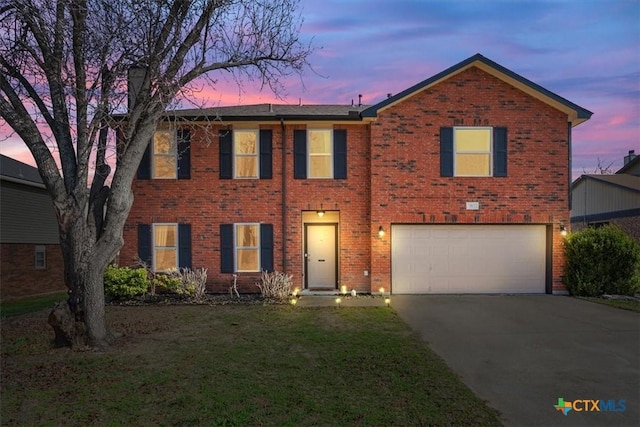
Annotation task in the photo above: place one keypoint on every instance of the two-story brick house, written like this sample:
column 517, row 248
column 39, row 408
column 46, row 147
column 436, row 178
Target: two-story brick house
column 459, row 184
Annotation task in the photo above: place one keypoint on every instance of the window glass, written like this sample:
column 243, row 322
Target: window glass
column 320, row 153
column 164, row 154
column 246, row 153
column 41, row 257
column 165, row 238
column 472, row 151
column 247, row 247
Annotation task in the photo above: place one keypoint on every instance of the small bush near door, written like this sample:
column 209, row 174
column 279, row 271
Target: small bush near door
column 602, row 261
column 124, row 282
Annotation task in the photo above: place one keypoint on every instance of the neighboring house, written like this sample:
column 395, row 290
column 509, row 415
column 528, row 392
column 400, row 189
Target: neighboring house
column 459, row 184
column 31, row 260
column 609, row 199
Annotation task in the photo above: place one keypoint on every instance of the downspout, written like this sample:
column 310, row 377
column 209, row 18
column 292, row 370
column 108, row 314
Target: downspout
column 570, row 169
column 284, row 195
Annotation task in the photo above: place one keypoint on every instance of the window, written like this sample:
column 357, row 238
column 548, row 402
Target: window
column 41, row 257
column 320, row 153
column 165, row 246
column 245, row 154
column 245, row 148
column 246, row 247
column 168, row 156
column 472, row 151
column 164, row 154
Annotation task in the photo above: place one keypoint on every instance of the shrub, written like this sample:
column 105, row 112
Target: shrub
column 275, row 285
column 168, row 282
column 124, row 282
column 184, row 282
column 602, row 261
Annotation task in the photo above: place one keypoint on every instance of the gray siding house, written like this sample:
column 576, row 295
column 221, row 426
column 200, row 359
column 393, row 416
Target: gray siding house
column 31, row 261
column 609, row 199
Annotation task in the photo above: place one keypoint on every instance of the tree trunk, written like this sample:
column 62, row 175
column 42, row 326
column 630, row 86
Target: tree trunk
column 80, row 321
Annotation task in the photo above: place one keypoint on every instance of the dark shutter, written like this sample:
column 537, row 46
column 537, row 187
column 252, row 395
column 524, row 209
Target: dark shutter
column 226, row 248
column 340, row 154
column 500, row 152
column 299, row 154
column 265, row 154
column 184, row 245
column 266, row 247
column 144, row 169
column 184, row 154
column 446, row 151
column 226, row 155
column 144, row 243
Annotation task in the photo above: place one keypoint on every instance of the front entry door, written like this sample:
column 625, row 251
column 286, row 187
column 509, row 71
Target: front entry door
column 321, row 257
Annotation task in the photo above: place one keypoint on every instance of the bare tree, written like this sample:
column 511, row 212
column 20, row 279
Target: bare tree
column 63, row 74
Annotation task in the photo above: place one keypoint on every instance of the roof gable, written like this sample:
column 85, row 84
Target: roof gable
column 575, row 113
column 627, row 182
column 13, row 170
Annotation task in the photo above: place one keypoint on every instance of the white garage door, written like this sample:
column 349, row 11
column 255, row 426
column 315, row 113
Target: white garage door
column 468, row 259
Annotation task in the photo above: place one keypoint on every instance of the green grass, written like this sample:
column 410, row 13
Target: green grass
column 31, row 304
column 632, row 305
column 235, row 366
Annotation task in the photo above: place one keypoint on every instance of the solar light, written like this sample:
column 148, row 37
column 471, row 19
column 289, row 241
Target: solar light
column 387, row 301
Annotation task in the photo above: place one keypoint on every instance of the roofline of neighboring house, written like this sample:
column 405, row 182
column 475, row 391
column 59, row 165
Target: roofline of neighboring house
column 629, row 165
column 576, row 113
column 600, row 179
column 22, row 181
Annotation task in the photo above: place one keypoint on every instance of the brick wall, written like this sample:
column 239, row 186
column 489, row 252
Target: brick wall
column 20, row 278
column 406, row 183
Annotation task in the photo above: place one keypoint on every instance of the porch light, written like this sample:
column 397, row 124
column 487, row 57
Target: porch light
column 320, row 212
column 563, row 230
column 387, row 301
column 380, row 231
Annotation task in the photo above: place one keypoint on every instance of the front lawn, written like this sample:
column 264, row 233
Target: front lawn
column 234, row 365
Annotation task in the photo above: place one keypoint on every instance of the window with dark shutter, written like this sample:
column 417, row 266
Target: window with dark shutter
column 226, row 248
column 144, row 243
column 184, row 154
column 184, row 245
column 446, row 151
column 265, row 154
column 144, row 169
column 299, row 154
column 500, row 152
column 226, row 155
column 340, row 154
column 266, row 247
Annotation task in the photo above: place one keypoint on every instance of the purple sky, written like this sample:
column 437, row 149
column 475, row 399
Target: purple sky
column 587, row 51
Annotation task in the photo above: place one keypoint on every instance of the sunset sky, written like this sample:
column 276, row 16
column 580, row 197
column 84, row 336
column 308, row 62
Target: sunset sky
column 587, row 51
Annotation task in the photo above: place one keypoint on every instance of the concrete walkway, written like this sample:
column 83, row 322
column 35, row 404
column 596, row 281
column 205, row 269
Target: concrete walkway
column 345, row 301
column 523, row 353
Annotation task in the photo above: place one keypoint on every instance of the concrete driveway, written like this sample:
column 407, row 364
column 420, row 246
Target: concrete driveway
column 522, row 353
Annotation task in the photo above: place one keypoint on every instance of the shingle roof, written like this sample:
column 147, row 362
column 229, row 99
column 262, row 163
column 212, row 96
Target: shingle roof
column 272, row 112
column 12, row 168
column 575, row 113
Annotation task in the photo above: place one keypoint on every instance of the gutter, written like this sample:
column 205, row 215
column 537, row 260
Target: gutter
column 22, row 181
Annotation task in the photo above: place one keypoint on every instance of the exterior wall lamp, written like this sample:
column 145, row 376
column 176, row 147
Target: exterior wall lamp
column 320, row 212
column 563, row 230
column 380, row 231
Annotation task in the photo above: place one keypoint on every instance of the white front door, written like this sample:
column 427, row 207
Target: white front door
column 320, row 256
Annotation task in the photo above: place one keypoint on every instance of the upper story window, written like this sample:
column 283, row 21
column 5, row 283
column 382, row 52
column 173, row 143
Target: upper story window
column 168, row 155
column 472, row 151
column 320, row 149
column 245, row 154
column 245, row 150
column 164, row 154
column 320, row 153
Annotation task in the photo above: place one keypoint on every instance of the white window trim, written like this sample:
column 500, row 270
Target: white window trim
column 455, row 150
column 257, row 155
column 43, row 250
column 309, row 155
column 236, row 247
column 174, row 148
column 153, row 244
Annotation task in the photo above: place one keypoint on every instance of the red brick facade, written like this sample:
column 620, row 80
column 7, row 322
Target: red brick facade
column 19, row 276
column 393, row 177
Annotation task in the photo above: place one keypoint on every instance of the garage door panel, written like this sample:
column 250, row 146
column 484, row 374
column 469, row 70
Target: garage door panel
column 468, row 258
